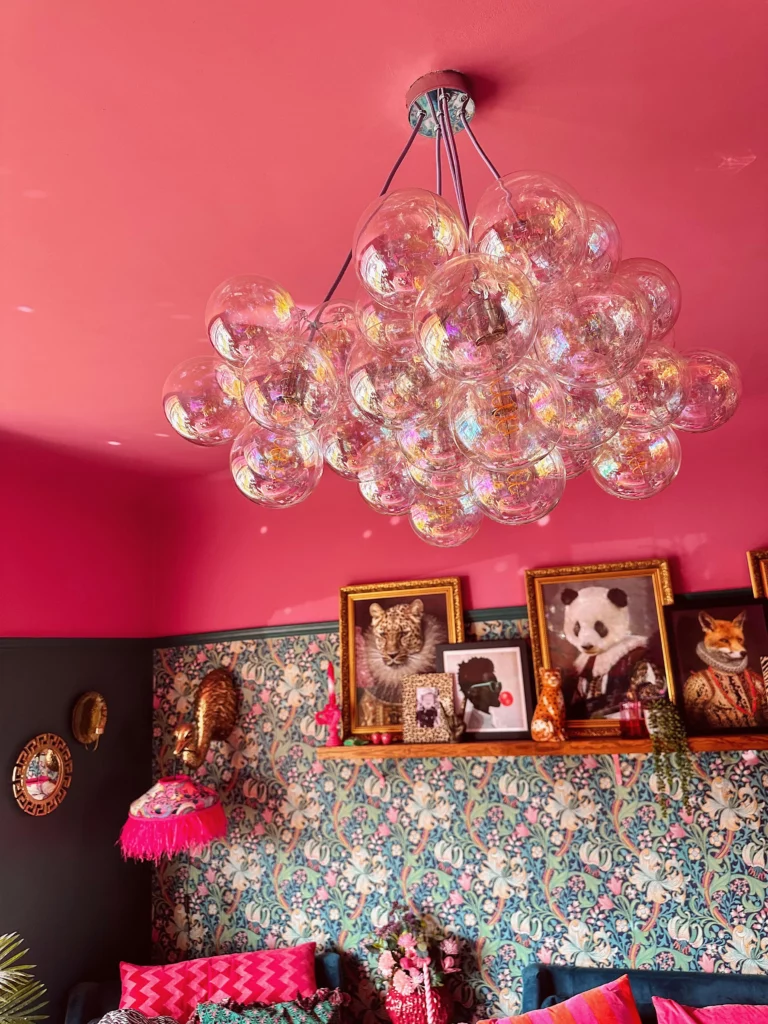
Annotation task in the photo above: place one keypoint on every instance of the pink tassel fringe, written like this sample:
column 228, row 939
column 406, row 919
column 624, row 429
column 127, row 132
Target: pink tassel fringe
column 148, row 839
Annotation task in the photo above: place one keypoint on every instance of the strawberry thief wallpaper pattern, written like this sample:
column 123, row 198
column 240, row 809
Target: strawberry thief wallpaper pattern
column 562, row 860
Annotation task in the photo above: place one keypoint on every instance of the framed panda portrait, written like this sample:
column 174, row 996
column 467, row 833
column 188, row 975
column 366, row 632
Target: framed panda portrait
column 387, row 632
column 603, row 627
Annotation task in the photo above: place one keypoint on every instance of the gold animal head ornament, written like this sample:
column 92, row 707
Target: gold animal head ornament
column 214, row 715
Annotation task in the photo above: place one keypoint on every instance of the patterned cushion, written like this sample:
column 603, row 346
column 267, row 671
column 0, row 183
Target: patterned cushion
column 265, row 976
column 281, row 1013
column 670, row 1012
column 133, row 1017
column 610, row 1004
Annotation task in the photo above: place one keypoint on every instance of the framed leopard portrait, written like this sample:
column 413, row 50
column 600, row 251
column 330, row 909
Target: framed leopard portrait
column 389, row 631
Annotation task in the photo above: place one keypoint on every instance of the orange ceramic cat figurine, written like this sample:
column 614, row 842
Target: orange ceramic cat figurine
column 548, row 723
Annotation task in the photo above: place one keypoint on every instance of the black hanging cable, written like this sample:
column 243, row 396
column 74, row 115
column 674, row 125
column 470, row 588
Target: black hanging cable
column 387, row 183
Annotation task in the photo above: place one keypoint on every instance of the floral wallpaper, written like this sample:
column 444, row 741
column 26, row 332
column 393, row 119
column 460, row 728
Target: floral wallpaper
column 561, row 860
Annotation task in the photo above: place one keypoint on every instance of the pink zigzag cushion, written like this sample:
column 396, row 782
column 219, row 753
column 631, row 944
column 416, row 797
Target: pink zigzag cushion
column 670, row 1012
column 263, row 976
column 610, row 1004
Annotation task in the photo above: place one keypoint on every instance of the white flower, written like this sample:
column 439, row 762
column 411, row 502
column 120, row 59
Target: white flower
column 380, row 916
column 584, row 949
column 570, row 808
column 745, row 953
column 753, row 855
column 298, row 808
column 596, row 856
column 448, row 853
column 378, row 788
column 686, row 932
column 730, row 809
column 503, row 875
column 294, row 688
column 514, row 787
column 241, row 869
column 659, row 880
column 364, row 872
column 316, row 851
column 426, row 807
column 257, row 913
column 525, row 924
column 300, row 928
column 180, row 693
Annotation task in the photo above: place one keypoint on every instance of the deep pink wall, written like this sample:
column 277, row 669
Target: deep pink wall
column 226, row 563
column 75, row 555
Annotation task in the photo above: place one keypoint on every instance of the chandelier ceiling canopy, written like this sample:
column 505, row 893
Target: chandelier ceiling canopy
column 483, row 358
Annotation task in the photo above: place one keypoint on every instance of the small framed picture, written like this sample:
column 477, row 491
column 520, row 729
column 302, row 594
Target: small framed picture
column 720, row 653
column 603, row 626
column 389, row 631
column 428, row 708
column 758, row 572
column 492, row 683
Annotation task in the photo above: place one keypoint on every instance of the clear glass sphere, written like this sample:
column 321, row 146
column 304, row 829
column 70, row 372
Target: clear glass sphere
column 657, row 388
column 593, row 329
column 522, row 495
column 575, row 462
column 660, row 289
column 247, row 316
column 509, row 421
column 386, row 329
column 350, row 440
column 296, row 392
column 476, row 317
column 275, row 468
column 637, row 464
column 386, row 484
column 534, row 213
column 592, row 415
column 442, row 484
column 399, row 241
column 714, row 391
column 603, row 241
column 429, row 445
column 394, row 390
column 202, row 400
column 332, row 328
column 445, row 522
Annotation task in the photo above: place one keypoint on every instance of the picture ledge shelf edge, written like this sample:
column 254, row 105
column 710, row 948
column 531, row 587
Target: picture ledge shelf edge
column 529, row 748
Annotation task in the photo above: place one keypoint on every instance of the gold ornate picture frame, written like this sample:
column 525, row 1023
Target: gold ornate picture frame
column 758, row 572
column 585, row 619
column 388, row 631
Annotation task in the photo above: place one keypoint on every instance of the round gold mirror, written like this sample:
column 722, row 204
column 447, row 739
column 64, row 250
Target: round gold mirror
column 42, row 774
column 89, row 718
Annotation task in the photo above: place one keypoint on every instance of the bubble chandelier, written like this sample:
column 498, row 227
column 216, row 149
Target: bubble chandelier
column 485, row 363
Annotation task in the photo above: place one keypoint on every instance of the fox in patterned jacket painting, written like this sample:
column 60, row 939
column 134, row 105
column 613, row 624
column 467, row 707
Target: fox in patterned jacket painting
column 725, row 693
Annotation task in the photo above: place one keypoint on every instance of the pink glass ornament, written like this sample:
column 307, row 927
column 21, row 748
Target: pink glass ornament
column 296, row 392
column 518, row 496
column 386, row 484
column 575, row 462
column 538, row 214
column 637, row 464
column 275, row 468
column 509, row 421
column 603, row 241
column 330, row 715
column 657, row 388
column 429, row 445
column 593, row 329
column 476, row 317
column 394, row 390
column 386, row 329
column 445, row 521
column 442, row 484
column 246, row 316
column 350, row 440
column 660, row 289
column 399, row 241
column 592, row 415
column 202, row 400
column 332, row 328
column 714, row 391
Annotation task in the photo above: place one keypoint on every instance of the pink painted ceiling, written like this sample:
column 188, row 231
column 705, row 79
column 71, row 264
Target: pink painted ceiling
column 152, row 149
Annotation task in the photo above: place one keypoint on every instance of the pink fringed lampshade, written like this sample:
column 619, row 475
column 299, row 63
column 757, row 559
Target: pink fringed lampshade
column 176, row 814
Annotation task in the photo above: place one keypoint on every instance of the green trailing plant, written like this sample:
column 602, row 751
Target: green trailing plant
column 671, row 754
column 21, row 997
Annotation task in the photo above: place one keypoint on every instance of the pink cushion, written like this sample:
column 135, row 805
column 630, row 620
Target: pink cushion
column 670, row 1012
column 610, row 1004
column 264, row 976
